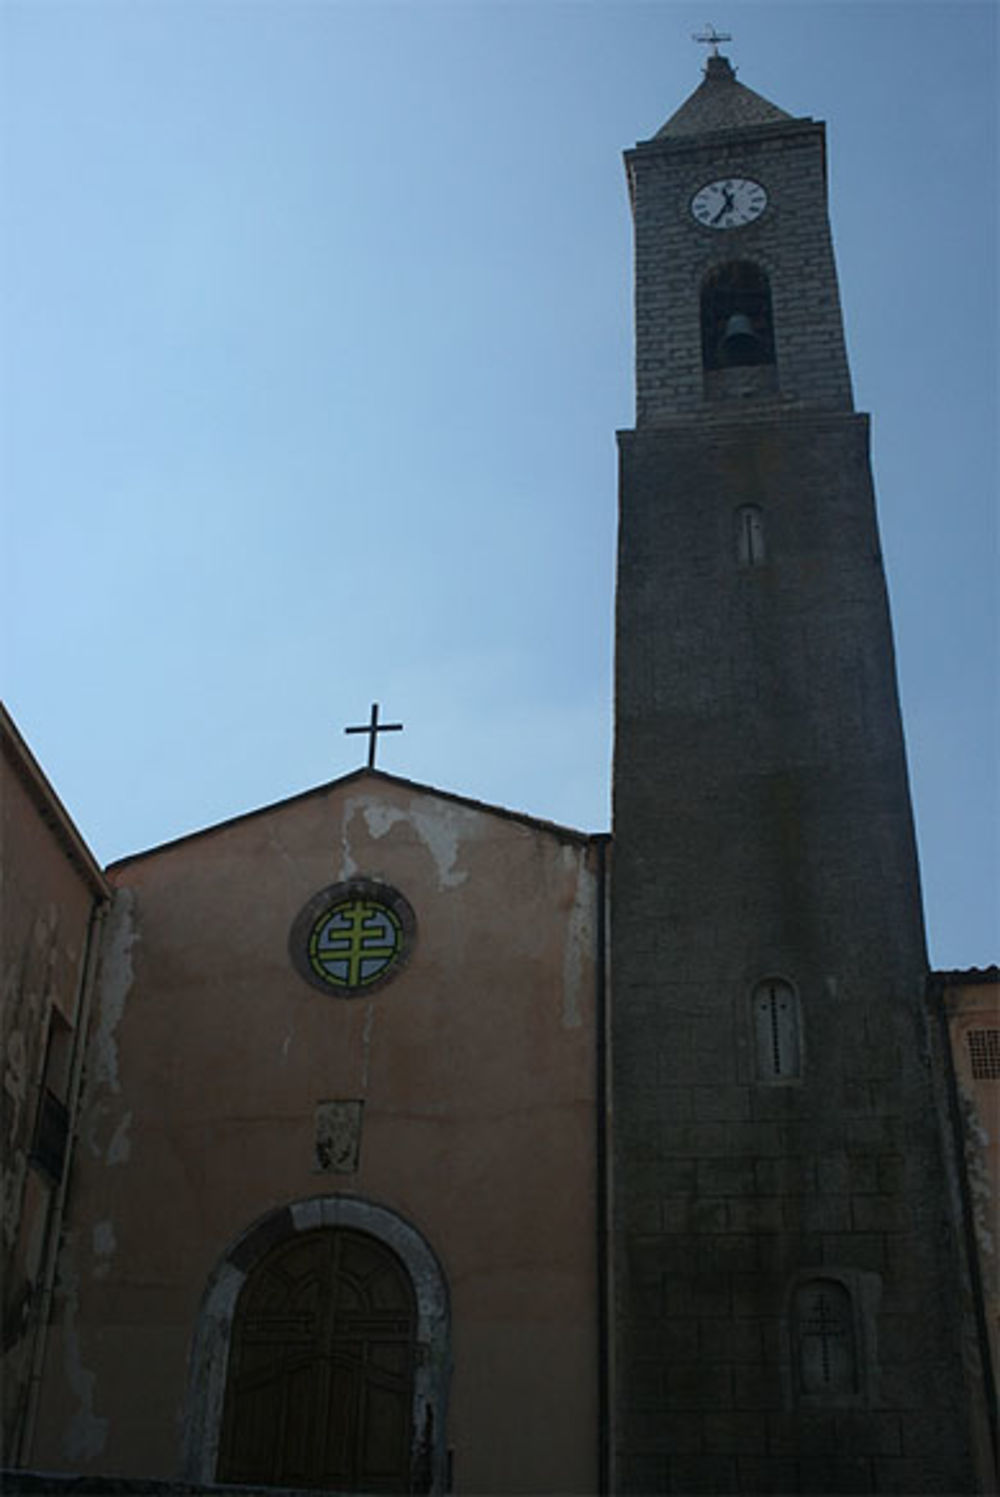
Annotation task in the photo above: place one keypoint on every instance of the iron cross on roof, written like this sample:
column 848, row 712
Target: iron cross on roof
column 711, row 38
column 373, row 728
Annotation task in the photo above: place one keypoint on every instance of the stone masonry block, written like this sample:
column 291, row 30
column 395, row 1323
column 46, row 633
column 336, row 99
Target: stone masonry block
column 753, row 1138
column 891, row 1173
column 864, row 1250
column 756, row 1214
column 699, row 1387
column 833, row 1174
column 757, row 1388
column 721, row 1102
column 703, row 1474
column 643, row 1473
column 787, row 1176
column 907, row 1477
column 667, row 1433
column 734, row 1434
column 733, row 1341
column 698, row 1295
column 766, row 1476
column 728, row 1253
column 867, row 1433
column 647, row 1384
column 836, row 1476
column 664, row 1340
column 679, row 1214
column 863, row 1174
column 726, row 1177
column 784, row 1254
column 820, row 1213
column 880, row 1214
column 802, row 1433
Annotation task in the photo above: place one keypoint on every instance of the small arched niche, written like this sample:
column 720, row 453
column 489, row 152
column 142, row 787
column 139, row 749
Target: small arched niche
column 824, row 1340
column 750, row 546
column 776, row 1017
column 737, row 326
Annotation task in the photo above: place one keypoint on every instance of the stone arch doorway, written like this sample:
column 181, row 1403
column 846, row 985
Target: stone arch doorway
column 321, row 1355
column 319, row 1391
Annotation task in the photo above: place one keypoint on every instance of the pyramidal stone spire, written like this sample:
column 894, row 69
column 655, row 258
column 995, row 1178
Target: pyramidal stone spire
column 720, row 103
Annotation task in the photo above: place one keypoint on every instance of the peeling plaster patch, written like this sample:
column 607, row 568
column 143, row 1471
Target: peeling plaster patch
column 116, row 980
column 15, row 1078
column 15, row 1086
column 977, row 1144
column 338, row 1137
column 13, row 1187
column 348, row 867
column 438, row 830
column 105, row 1245
column 366, row 1044
column 120, row 1147
column 580, row 943
column 104, row 1238
column 86, row 1434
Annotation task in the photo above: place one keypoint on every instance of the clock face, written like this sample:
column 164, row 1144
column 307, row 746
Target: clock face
column 728, row 203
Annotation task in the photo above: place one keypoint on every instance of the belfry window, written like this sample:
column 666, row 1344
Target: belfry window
column 736, row 323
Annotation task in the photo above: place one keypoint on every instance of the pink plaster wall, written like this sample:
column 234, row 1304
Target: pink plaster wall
column 476, row 1065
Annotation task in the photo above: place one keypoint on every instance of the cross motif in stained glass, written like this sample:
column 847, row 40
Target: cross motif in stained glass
column 352, row 937
column 355, row 942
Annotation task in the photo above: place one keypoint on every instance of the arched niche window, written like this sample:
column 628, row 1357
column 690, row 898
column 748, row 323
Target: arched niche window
column 777, row 1026
column 750, row 535
column 824, row 1337
column 737, row 327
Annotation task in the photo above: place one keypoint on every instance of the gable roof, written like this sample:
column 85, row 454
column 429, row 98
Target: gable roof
column 552, row 828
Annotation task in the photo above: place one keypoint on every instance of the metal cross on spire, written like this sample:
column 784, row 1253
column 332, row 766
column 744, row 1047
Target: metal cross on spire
column 373, row 728
column 711, row 38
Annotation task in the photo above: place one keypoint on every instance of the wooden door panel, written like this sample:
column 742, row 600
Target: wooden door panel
column 320, row 1385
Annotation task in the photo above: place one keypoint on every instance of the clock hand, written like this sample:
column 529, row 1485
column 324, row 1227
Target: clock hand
column 726, row 207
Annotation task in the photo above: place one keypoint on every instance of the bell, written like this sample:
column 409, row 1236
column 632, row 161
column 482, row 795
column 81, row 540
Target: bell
column 739, row 343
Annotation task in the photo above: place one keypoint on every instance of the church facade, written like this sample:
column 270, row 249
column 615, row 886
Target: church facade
column 383, row 1140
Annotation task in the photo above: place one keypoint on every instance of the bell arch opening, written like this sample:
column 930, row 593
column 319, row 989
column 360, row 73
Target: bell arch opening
column 737, row 325
column 321, row 1356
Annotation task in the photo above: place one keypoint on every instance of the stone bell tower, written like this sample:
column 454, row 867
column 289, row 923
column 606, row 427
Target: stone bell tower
column 786, row 1270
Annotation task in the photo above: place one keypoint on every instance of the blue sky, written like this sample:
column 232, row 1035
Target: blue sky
column 316, row 334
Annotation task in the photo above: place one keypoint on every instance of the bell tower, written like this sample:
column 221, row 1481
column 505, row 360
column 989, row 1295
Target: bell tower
column 786, row 1267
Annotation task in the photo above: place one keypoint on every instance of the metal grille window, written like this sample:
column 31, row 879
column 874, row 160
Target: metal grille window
column 984, row 1053
column 48, row 1151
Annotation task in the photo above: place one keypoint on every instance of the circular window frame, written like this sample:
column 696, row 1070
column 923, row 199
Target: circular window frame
column 321, row 904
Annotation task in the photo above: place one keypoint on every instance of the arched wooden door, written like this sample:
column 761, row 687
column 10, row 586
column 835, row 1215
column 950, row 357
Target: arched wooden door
column 319, row 1390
